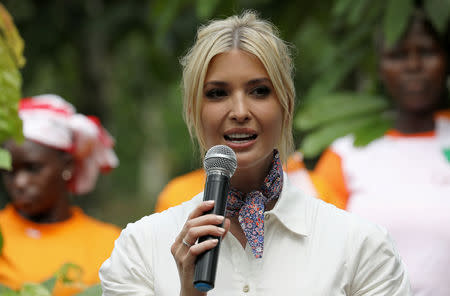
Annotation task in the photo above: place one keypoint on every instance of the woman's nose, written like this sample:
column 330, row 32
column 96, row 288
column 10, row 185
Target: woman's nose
column 413, row 61
column 240, row 109
column 20, row 179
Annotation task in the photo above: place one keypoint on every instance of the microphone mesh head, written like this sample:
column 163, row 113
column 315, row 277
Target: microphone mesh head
column 221, row 158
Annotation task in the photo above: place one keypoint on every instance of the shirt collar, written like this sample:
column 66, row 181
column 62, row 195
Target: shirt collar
column 291, row 208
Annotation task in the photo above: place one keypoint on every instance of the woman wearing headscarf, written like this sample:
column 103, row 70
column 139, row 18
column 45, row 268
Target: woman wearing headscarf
column 62, row 154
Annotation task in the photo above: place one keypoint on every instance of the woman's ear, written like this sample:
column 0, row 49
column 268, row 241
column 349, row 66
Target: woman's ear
column 68, row 164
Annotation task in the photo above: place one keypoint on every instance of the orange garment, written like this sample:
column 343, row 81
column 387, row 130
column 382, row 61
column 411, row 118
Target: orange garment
column 329, row 173
column 33, row 252
column 181, row 189
column 184, row 187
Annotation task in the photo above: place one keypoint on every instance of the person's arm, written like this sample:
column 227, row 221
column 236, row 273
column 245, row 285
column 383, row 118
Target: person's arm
column 128, row 270
column 377, row 267
column 329, row 179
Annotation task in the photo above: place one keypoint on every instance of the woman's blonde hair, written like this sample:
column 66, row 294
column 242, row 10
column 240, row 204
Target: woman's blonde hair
column 249, row 33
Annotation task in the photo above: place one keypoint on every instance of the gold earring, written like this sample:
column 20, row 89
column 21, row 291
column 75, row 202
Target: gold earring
column 66, row 175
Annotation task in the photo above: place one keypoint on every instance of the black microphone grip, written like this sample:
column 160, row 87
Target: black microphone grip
column 216, row 188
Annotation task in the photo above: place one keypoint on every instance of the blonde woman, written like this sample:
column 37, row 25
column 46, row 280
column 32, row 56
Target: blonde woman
column 239, row 92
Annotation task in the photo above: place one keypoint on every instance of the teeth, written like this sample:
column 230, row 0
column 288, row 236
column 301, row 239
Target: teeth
column 239, row 136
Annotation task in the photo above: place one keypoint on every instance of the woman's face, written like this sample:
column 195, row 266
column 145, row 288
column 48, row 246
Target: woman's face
column 414, row 70
column 240, row 108
column 35, row 184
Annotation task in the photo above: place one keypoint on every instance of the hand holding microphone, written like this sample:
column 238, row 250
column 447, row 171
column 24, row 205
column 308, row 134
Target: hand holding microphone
column 197, row 262
column 220, row 164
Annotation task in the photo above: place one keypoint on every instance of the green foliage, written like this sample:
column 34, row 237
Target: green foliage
column 119, row 60
column 95, row 290
column 333, row 107
column 5, row 291
column 396, row 19
column 327, row 113
column 5, row 159
column 338, row 114
column 11, row 59
column 68, row 274
column 30, row 289
column 439, row 10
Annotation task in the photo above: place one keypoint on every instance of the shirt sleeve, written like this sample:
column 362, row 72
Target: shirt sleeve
column 377, row 267
column 329, row 179
column 128, row 270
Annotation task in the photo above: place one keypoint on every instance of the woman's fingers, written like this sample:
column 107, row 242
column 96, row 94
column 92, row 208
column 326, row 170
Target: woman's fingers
column 185, row 249
column 196, row 218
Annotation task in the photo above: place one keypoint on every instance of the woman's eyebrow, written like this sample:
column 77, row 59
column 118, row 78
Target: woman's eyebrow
column 258, row 81
column 216, row 83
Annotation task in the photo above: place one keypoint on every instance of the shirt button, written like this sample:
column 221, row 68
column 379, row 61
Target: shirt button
column 267, row 217
column 246, row 289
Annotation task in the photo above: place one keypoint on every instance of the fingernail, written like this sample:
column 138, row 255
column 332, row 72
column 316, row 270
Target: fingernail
column 221, row 230
column 209, row 202
column 220, row 218
column 215, row 240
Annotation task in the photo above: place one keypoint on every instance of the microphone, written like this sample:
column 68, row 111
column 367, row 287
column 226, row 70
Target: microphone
column 220, row 163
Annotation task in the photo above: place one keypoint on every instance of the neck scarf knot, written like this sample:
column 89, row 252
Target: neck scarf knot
column 250, row 208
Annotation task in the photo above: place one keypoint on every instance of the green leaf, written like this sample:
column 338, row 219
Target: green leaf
column 317, row 141
column 30, row 289
column 396, row 19
column 13, row 40
column 372, row 131
column 163, row 13
column 357, row 11
column 343, row 6
column 50, row 283
column 439, row 13
column 330, row 79
column 329, row 108
column 5, row 163
column 5, row 291
column 69, row 273
column 205, row 8
column 95, row 290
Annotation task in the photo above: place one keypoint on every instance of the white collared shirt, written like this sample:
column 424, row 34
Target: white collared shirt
column 310, row 248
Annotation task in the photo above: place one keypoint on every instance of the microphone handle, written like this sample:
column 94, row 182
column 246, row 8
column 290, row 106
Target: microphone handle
column 216, row 188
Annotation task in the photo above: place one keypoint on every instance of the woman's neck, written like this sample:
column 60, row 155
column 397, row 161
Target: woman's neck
column 410, row 123
column 252, row 178
column 61, row 211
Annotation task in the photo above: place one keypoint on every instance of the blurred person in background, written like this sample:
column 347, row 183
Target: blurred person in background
column 402, row 180
column 183, row 188
column 239, row 92
column 63, row 153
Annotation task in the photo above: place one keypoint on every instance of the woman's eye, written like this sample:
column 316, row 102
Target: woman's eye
column 261, row 91
column 427, row 51
column 216, row 93
column 396, row 55
column 33, row 167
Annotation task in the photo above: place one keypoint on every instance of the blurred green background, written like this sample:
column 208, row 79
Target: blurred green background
column 119, row 60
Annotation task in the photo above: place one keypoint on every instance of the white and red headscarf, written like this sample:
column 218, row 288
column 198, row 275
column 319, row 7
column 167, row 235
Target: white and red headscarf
column 51, row 121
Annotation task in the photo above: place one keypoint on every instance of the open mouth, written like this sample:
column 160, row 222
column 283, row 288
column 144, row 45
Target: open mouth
column 240, row 138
